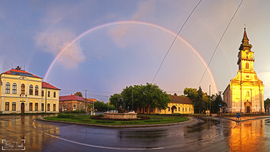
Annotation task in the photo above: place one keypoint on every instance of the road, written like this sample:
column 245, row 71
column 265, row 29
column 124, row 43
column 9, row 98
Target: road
column 203, row 134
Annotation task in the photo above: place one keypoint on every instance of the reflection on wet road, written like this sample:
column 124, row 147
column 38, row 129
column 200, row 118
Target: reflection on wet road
column 203, row 134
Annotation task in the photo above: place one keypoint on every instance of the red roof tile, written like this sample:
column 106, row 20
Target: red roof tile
column 20, row 72
column 49, row 86
column 70, row 97
column 180, row 99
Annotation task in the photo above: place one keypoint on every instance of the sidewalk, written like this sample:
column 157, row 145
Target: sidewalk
column 245, row 118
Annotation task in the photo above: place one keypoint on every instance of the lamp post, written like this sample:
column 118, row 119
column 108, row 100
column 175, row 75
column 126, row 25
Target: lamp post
column 209, row 98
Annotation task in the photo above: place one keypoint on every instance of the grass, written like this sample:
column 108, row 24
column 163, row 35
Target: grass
column 154, row 119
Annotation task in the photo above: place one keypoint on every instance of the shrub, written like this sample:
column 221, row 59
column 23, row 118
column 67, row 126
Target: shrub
column 104, row 121
column 60, row 115
column 75, row 111
column 177, row 114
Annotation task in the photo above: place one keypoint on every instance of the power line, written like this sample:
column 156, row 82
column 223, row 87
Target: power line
column 175, row 39
column 220, row 40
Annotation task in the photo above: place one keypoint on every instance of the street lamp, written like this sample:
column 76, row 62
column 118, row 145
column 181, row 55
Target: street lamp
column 209, row 98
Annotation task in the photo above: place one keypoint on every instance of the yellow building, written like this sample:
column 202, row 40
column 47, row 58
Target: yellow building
column 178, row 104
column 245, row 92
column 23, row 92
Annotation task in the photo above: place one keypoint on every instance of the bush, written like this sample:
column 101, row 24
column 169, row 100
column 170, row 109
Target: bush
column 177, row 114
column 104, row 121
column 60, row 115
column 75, row 111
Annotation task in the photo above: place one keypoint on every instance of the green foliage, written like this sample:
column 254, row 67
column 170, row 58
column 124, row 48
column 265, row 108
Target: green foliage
column 104, row 121
column 75, row 111
column 191, row 93
column 149, row 95
column 216, row 101
column 114, row 99
column 60, row 115
column 266, row 102
column 100, row 106
column 78, row 93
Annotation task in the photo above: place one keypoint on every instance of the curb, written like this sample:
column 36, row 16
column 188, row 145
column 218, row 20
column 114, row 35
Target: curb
column 120, row 126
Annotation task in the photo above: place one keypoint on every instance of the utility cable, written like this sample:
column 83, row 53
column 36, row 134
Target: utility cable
column 220, row 40
column 175, row 39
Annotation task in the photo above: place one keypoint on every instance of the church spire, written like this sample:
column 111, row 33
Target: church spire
column 245, row 42
column 245, row 38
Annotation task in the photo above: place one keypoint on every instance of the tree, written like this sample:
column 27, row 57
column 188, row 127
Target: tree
column 148, row 95
column 175, row 94
column 101, row 106
column 266, row 102
column 78, row 93
column 114, row 99
column 217, row 103
column 191, row 93
column 200, row 103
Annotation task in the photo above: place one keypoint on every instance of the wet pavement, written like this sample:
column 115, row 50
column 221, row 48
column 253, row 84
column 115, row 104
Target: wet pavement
column 203, row 134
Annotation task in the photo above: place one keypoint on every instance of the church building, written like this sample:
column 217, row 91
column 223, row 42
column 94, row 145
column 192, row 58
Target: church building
column 245, row 92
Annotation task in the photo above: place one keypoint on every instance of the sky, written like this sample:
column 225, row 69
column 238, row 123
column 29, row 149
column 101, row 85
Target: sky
column 104, row 46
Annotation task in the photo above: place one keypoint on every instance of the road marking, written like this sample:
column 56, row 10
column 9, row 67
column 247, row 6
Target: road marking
column 95, row 146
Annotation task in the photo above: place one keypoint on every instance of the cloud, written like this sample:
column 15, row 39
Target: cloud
column 145, row 9
column 54, row 41
column 119, row 32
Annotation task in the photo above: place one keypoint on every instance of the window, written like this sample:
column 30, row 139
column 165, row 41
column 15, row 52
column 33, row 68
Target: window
column 7, row 106
column 14, row 88
column 178, row 108
column 36, row 106
column 31, row 89
column 36, row 90
column 42, row 93
column 247, row 65
column 169, row 109
column 42, row 107
column 22, row 89
column 54, row 94
column 183, row 109
column 186, row 109
column 74, row 107
column 54, row 107
column 49, row 94
column 30, row 106
column 13, row 106
column 175, row 109
column 7, row 88
column 48, row 109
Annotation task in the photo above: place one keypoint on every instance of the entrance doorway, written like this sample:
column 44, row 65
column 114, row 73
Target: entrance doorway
column 173, row 108
column 248, row 109
column 22, row 107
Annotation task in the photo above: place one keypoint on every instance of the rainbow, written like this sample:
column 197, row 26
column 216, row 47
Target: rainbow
column 131, row 22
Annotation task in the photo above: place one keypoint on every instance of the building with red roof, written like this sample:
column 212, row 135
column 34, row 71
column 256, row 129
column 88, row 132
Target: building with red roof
column 24, row 92
column 178, row 104
column 73, row 102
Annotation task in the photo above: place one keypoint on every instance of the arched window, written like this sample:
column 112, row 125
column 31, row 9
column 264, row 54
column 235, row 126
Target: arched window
column 36, row 90
column 54, row 94
column 31, row 89
column 49, row 94
column 247, row 65
column 8, row 88
column 22, row 89
column 247, row 93
column 14, row 88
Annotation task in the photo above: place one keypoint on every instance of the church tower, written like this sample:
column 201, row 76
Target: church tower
column 245, row 92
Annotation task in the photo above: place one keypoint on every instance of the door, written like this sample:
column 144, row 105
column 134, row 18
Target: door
column 22, row 107
column 248, row 109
